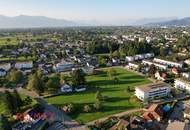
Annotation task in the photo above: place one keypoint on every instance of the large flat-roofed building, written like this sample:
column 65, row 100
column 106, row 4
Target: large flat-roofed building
column 139, row 57
column 169, row 63
column 157, row 65
column 24, row 65
column 151, row 91
column 183, row 84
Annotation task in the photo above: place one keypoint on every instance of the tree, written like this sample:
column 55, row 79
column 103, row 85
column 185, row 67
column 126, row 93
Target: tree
column 112, row 74
column 17, row 100
column 87, row 108
column 90, row 48
column 102, row 60
column 78, row 77
column 116, row 54
column 35, row 83
column 152, row 70
column 52, row 85
column 4, row 123
column 98, row 105
column 162, row 52
column 15, row 76
column 98, row 96
column 9, row 103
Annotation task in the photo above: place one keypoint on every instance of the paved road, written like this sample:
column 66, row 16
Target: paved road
column 116, row 115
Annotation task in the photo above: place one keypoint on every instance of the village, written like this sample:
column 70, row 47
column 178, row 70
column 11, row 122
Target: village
column 96, row 78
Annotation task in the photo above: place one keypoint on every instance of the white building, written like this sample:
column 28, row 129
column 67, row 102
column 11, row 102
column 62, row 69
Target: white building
column 182, row 84
column 157, row 65
column 169, row 63
column 24, row 65
column 129, row 58
column 132, row 65
column 5, row 66
column 63, row 66
column 151, row 91
column 2, row 72
column 139, row 57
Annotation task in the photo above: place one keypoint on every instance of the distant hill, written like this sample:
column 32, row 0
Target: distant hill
column 146, row 21
column 176, row 22
column 24, row 21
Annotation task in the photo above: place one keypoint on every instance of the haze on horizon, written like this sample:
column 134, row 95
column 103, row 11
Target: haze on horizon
column 100, row 11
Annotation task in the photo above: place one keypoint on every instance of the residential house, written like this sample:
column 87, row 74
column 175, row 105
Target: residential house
column 175, row 70
column 121, row 125
column 5, row 66
column 139, row 57
column 183, row 84
column 88, row 70
column 186, row 75
column 2, row 72
column 187, row 61
column 24, row 65
column 154, row 112
column 162, row 76
column 132, row 65
column 169, row 63
column 157, row 65
column 33, row 115
column 186, row 112
column 151, row 91
column 129, row 58
column 63, row 66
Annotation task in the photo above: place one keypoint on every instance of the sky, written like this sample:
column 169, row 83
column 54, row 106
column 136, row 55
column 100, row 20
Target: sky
column 104, row 11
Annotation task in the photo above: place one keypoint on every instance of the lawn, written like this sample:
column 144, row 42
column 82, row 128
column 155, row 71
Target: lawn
column 118, row 98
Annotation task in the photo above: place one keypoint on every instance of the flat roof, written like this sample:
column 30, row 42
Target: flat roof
column 148, row 87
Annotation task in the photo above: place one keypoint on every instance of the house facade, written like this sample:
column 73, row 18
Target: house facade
column 169, row 63
column 139, row 57
column 151, row 91
column 157, row 65
column 5, row 66
column 183, row 84
column 24, row 65
column 2, row 72
column 61, row 67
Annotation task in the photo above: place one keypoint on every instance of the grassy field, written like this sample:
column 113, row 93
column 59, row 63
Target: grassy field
column 21, row 58
column 14, row 40
column 118, row 98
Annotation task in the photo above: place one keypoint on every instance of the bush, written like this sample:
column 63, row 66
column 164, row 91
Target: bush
column 69, row 108
column 87, row 108
column 98, row 105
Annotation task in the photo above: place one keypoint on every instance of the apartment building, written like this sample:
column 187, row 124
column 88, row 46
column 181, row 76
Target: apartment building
column 151, row 91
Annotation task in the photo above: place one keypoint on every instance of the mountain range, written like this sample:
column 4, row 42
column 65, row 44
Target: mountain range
column 175, row 22
column 24, row 21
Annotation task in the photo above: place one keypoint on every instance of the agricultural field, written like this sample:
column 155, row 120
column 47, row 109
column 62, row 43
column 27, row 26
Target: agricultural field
column 119, row 98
